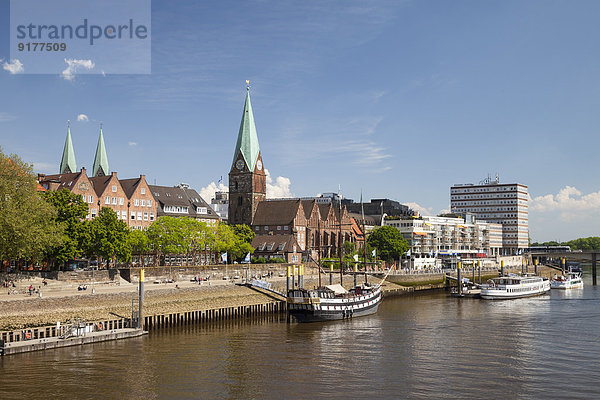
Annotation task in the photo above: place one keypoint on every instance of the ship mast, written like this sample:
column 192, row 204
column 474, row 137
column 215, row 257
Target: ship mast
column 362, row 209
column 319, row 244
column 340, row 240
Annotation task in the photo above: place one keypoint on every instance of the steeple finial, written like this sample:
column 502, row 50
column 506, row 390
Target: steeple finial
column 247, row 85
column 68, row 164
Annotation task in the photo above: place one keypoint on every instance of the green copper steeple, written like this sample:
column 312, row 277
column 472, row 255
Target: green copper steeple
column 68, row 163
column 247, row 142
column 100, row 160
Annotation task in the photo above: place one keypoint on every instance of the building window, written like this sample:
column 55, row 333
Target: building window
column 133, row 215
column 139, row 215
column 143, row 190
column 120, row 201
column 266, row 228
column 94, row 212
column 114, row 201
column 279, row 227
column 107, row 200
column 145, row 216
column 90, row 199
column 136, row 202
column 114, row 188
column 285, row 228
column 149, row 203
column 257, row 228
column 143, row 204
column 151, row 216
column 118, row 214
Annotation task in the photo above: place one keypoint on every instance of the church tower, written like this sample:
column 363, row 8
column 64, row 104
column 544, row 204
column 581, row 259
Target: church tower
column 68, row 164
column 247, row 180
column 101, row 159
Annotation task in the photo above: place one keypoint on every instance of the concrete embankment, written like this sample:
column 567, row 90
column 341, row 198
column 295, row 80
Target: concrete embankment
column 45, row 343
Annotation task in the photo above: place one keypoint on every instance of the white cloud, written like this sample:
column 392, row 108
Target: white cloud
column 74, row 65
column 132, row 144
column 14, row 66
column 208, row 192
column 419, row 208
column 567, row 199
column 278, row 188
column 5, row 117
column 82, row 118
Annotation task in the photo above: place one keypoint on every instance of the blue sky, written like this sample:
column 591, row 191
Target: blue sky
column 401, row 99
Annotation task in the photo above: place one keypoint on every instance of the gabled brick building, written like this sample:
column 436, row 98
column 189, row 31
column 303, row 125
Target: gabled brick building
column 110, row 194
column 78, row 183
column 141, row 207
column 315, row 226
column 281, row 217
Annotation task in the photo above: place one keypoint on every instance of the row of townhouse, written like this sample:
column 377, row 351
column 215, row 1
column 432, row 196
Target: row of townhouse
column 134, row 201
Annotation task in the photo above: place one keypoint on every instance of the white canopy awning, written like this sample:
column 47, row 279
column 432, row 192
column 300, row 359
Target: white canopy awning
column 337, row 289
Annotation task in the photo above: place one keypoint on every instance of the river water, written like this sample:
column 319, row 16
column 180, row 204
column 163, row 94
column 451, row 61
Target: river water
column 423, row 346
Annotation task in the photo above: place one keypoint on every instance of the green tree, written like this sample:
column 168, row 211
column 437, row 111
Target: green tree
column 389, row 243
column 71, row 211
column 167, row 236
column 139, row 244
column 197, row 236
column 108, row 237
column 244, row 233
column 28, row 227
column 589, row 243
column 242, row 242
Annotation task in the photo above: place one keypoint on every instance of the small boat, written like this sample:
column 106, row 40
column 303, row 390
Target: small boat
column 468, row 289
column 573, row 280
column 333, row 302
column 514, row 287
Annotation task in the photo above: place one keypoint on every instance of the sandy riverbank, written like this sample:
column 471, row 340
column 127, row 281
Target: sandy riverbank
column 63, row 302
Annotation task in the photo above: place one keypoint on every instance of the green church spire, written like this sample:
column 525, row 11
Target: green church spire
column 100, row 160
column 68, row 163
column 247, row 142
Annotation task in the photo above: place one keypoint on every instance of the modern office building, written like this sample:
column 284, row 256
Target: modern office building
column 433, row 239
column 499, row 203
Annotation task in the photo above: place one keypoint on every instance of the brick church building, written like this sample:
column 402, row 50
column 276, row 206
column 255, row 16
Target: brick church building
column 312, row 226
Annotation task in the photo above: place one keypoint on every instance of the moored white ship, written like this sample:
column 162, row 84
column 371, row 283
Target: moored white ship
column 514, row 287
column 573, row 280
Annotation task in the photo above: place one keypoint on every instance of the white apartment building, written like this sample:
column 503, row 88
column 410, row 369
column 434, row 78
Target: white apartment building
column 431, row 238
column 504, row 204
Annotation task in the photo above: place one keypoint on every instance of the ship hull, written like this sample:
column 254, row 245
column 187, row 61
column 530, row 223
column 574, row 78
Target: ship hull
column 332, row 310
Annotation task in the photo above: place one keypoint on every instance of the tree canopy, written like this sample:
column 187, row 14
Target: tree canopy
column 108, row 237
column 71, row 211
column 28, row 227
column 389, row 243
column 589, row 243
